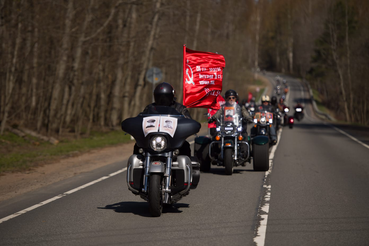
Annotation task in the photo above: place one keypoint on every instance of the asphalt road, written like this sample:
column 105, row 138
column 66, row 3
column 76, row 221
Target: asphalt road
column 315, row 194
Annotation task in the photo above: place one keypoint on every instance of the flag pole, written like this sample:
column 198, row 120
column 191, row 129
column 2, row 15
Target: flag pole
column 184, row 69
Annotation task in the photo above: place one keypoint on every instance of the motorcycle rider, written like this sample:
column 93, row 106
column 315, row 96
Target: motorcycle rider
column 281, row 104
column 164, row 95
column 273, row 102
column 299, row 105
column 265, row 106
column 231, row 98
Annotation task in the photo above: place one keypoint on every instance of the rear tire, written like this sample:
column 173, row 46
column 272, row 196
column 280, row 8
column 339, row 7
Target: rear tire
column 155, row 196
column 228, row 161
column 261, row 157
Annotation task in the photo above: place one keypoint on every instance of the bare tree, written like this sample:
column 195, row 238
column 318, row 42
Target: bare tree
column 61, row 68
column 145, row 58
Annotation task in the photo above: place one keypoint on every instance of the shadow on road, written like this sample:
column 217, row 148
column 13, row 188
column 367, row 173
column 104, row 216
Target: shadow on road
column 220, row 170
column 142, row 208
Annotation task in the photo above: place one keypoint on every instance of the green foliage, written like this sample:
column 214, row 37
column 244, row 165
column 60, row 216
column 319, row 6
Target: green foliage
column 318, row 101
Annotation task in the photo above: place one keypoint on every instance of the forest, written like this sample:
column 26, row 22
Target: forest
column 79, row 65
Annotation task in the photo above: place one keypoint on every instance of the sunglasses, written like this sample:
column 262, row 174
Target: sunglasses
column 231, row 98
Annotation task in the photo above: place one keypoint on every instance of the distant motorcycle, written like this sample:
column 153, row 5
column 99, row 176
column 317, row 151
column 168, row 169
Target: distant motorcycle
column 159, row 174
column 287, row 120
column 299, row 113
column 251, row 108
column 278, row 90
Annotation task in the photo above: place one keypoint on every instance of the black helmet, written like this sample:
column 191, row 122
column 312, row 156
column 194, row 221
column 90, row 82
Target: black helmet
column 164, row 94
column 231, row 93
column 274, row 100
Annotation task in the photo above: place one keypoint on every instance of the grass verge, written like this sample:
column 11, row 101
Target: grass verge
column 18, row 154
column 318, row 101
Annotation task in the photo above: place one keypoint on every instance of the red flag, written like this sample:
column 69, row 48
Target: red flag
column 250, row 97
column 202, row 78
column 220, row 102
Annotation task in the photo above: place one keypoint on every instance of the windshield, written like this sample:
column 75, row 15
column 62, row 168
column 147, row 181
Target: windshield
column 231, row 114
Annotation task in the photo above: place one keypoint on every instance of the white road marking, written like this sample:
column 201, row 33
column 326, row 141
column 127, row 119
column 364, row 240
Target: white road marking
column 263, row 212
column 348, row 135
column 12, row 216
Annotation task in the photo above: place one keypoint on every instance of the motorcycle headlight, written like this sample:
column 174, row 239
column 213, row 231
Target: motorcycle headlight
column 298, row 109
column 270, row 121
column 158, row 143
column 286, row 110
column 263, row 120
column 255, row 121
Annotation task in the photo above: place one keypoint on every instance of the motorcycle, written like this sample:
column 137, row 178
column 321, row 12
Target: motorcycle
column 159, row 174
column 299, row 113
column 278, row 90
column 287, row 120
column 228, row 148
column 251, row 108
column 260, row 140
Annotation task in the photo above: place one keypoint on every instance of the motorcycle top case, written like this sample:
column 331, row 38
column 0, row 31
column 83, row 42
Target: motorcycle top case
column 163, row 120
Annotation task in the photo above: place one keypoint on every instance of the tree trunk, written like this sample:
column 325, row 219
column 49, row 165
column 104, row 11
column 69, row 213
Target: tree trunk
column 197, row 27
column 145, row 59
column 34, row 73
column 101, row 88
column 290, row 40
column 351, row 96
column 10, row 80
column 333, row 35
column 117, row 83
column 127, row 84
column 54, row 101
column 69, row 105
column 180, row 91
column 257, row 34
column 82, row 97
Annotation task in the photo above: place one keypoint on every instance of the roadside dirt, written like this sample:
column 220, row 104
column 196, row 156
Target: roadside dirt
column 14, row 184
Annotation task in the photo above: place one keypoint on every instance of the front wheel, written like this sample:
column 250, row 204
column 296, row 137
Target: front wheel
column 228, row 161
column 155, row 196
column 261, row 157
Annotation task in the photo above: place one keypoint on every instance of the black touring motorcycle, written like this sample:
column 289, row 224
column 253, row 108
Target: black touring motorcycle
column 228, row 147
column 159, row 173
